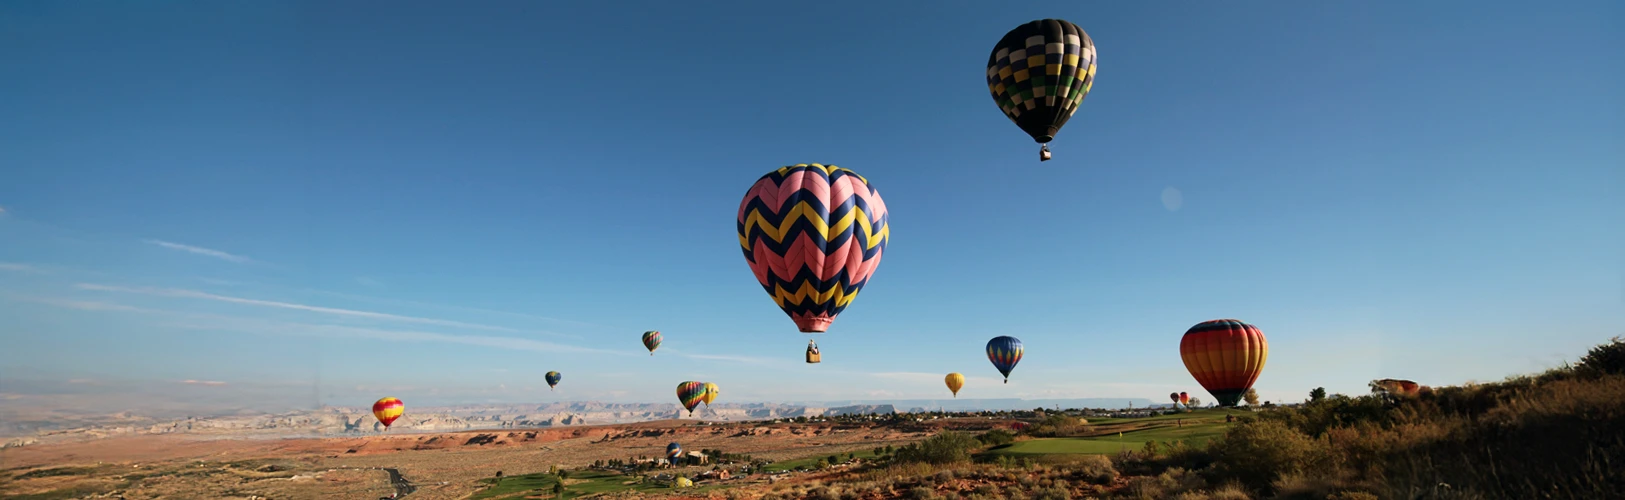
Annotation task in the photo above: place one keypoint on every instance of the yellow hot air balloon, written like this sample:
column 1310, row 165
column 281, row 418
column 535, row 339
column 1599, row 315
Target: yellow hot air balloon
column 955, row 381
column 710, row 394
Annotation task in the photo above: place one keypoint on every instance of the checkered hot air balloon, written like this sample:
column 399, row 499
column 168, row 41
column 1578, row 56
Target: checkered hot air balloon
column 1004, row 352
column 553, row 379
column 1038, row 75
column 651, row 341
column 813, row 235
column 1225, row 356
column 689, row 393
column 387, row 410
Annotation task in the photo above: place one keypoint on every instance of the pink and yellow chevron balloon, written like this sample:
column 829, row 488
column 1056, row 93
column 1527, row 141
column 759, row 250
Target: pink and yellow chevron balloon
column 813, row 235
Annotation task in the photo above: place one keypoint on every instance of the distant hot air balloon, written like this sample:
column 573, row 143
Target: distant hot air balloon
column 813, row 235
column 955, row 381
column 672, row 452
column 1397, row 387
column 1004, row 352
column 1174, row 396
column 1038, row 75
column 1184, row 398
column 710, row 394
column 387, row 410
column 1225, row 356
column 552, row 380
column 651, row 340
column 689, row 393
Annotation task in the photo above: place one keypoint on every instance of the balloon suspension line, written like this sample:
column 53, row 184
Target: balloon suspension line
column 1043, row 153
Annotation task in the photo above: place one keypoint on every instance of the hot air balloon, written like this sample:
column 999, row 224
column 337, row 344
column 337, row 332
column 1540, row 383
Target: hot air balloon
column 1184, row 398
column 1004, row 352
column 813, row 235
column 651, row 340
column 387, row 410
column 689, row 393
column 1174, row 396
column 1225, row 356
column 1038, row 75
column 1397, row 387
column 672, row 452
column 552, row 380
column 955, row 381
column 710, row 394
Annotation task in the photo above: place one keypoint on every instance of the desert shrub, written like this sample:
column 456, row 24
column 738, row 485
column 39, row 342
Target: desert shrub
column 1014, row 494
column 1053, row 494
column 1181, row 480
column 987, row 489
column 1145, row 488
column 944, row 448
column 945, row 475
column 1296, row 486
column 996, row 437
column 1096, row 469
column 1027, row 482
column 1604, row 359
column 1229, row 491
column 1258, row 451
column 1352, row 495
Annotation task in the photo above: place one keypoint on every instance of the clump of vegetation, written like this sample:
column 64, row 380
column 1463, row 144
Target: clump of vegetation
column 944, row 448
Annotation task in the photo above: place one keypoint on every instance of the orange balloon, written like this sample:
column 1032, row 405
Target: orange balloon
column 1225, row 356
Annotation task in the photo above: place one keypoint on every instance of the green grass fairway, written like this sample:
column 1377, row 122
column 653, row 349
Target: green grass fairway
column 581, row 483
column 1199, row 427
column 809, row 461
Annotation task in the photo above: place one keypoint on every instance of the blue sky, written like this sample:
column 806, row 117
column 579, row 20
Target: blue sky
column 442, row 203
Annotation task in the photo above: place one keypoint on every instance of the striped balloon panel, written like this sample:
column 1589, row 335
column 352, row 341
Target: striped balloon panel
column 813, row 235
column 387, row 410
column 690, row 393
column 1225, row 356
column 1004, row 352
column 651, row 340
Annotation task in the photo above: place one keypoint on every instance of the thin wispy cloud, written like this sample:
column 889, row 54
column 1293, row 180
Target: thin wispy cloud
column 82, row 305
column 245, row 325
column 20, row 268
column 377, row 300
column 728, row 357
column 209, row 252
column 194, row 294
column 203, row 382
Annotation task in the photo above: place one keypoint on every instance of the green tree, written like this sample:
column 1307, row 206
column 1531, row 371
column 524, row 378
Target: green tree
column 1317, row 395
column 563, row 474
column 558, row 489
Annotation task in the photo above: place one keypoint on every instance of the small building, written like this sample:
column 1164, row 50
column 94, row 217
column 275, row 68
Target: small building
column 695, row 457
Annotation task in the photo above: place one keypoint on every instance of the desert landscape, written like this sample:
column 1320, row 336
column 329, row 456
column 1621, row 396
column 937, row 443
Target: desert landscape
column 434, row 464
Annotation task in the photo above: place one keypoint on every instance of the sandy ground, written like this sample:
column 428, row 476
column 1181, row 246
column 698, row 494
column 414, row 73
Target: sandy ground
column 441, row 465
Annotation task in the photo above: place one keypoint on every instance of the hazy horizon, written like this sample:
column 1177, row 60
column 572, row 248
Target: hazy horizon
column 328, row 203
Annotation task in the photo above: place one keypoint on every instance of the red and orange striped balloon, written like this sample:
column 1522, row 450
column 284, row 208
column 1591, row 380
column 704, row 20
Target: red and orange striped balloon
column 1225, row 356
column 387, row 410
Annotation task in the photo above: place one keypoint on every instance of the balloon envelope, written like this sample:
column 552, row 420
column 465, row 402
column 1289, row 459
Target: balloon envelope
column 673, row 450
column 387, row 410
column 651, row 341
column 710, row 394
column 1225, row 356
column 1039, row 73
column 553, row 379
column 689, row 393
column 1004, row 352
column 813, row 235
column 1184, row 398
column 955, row 381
